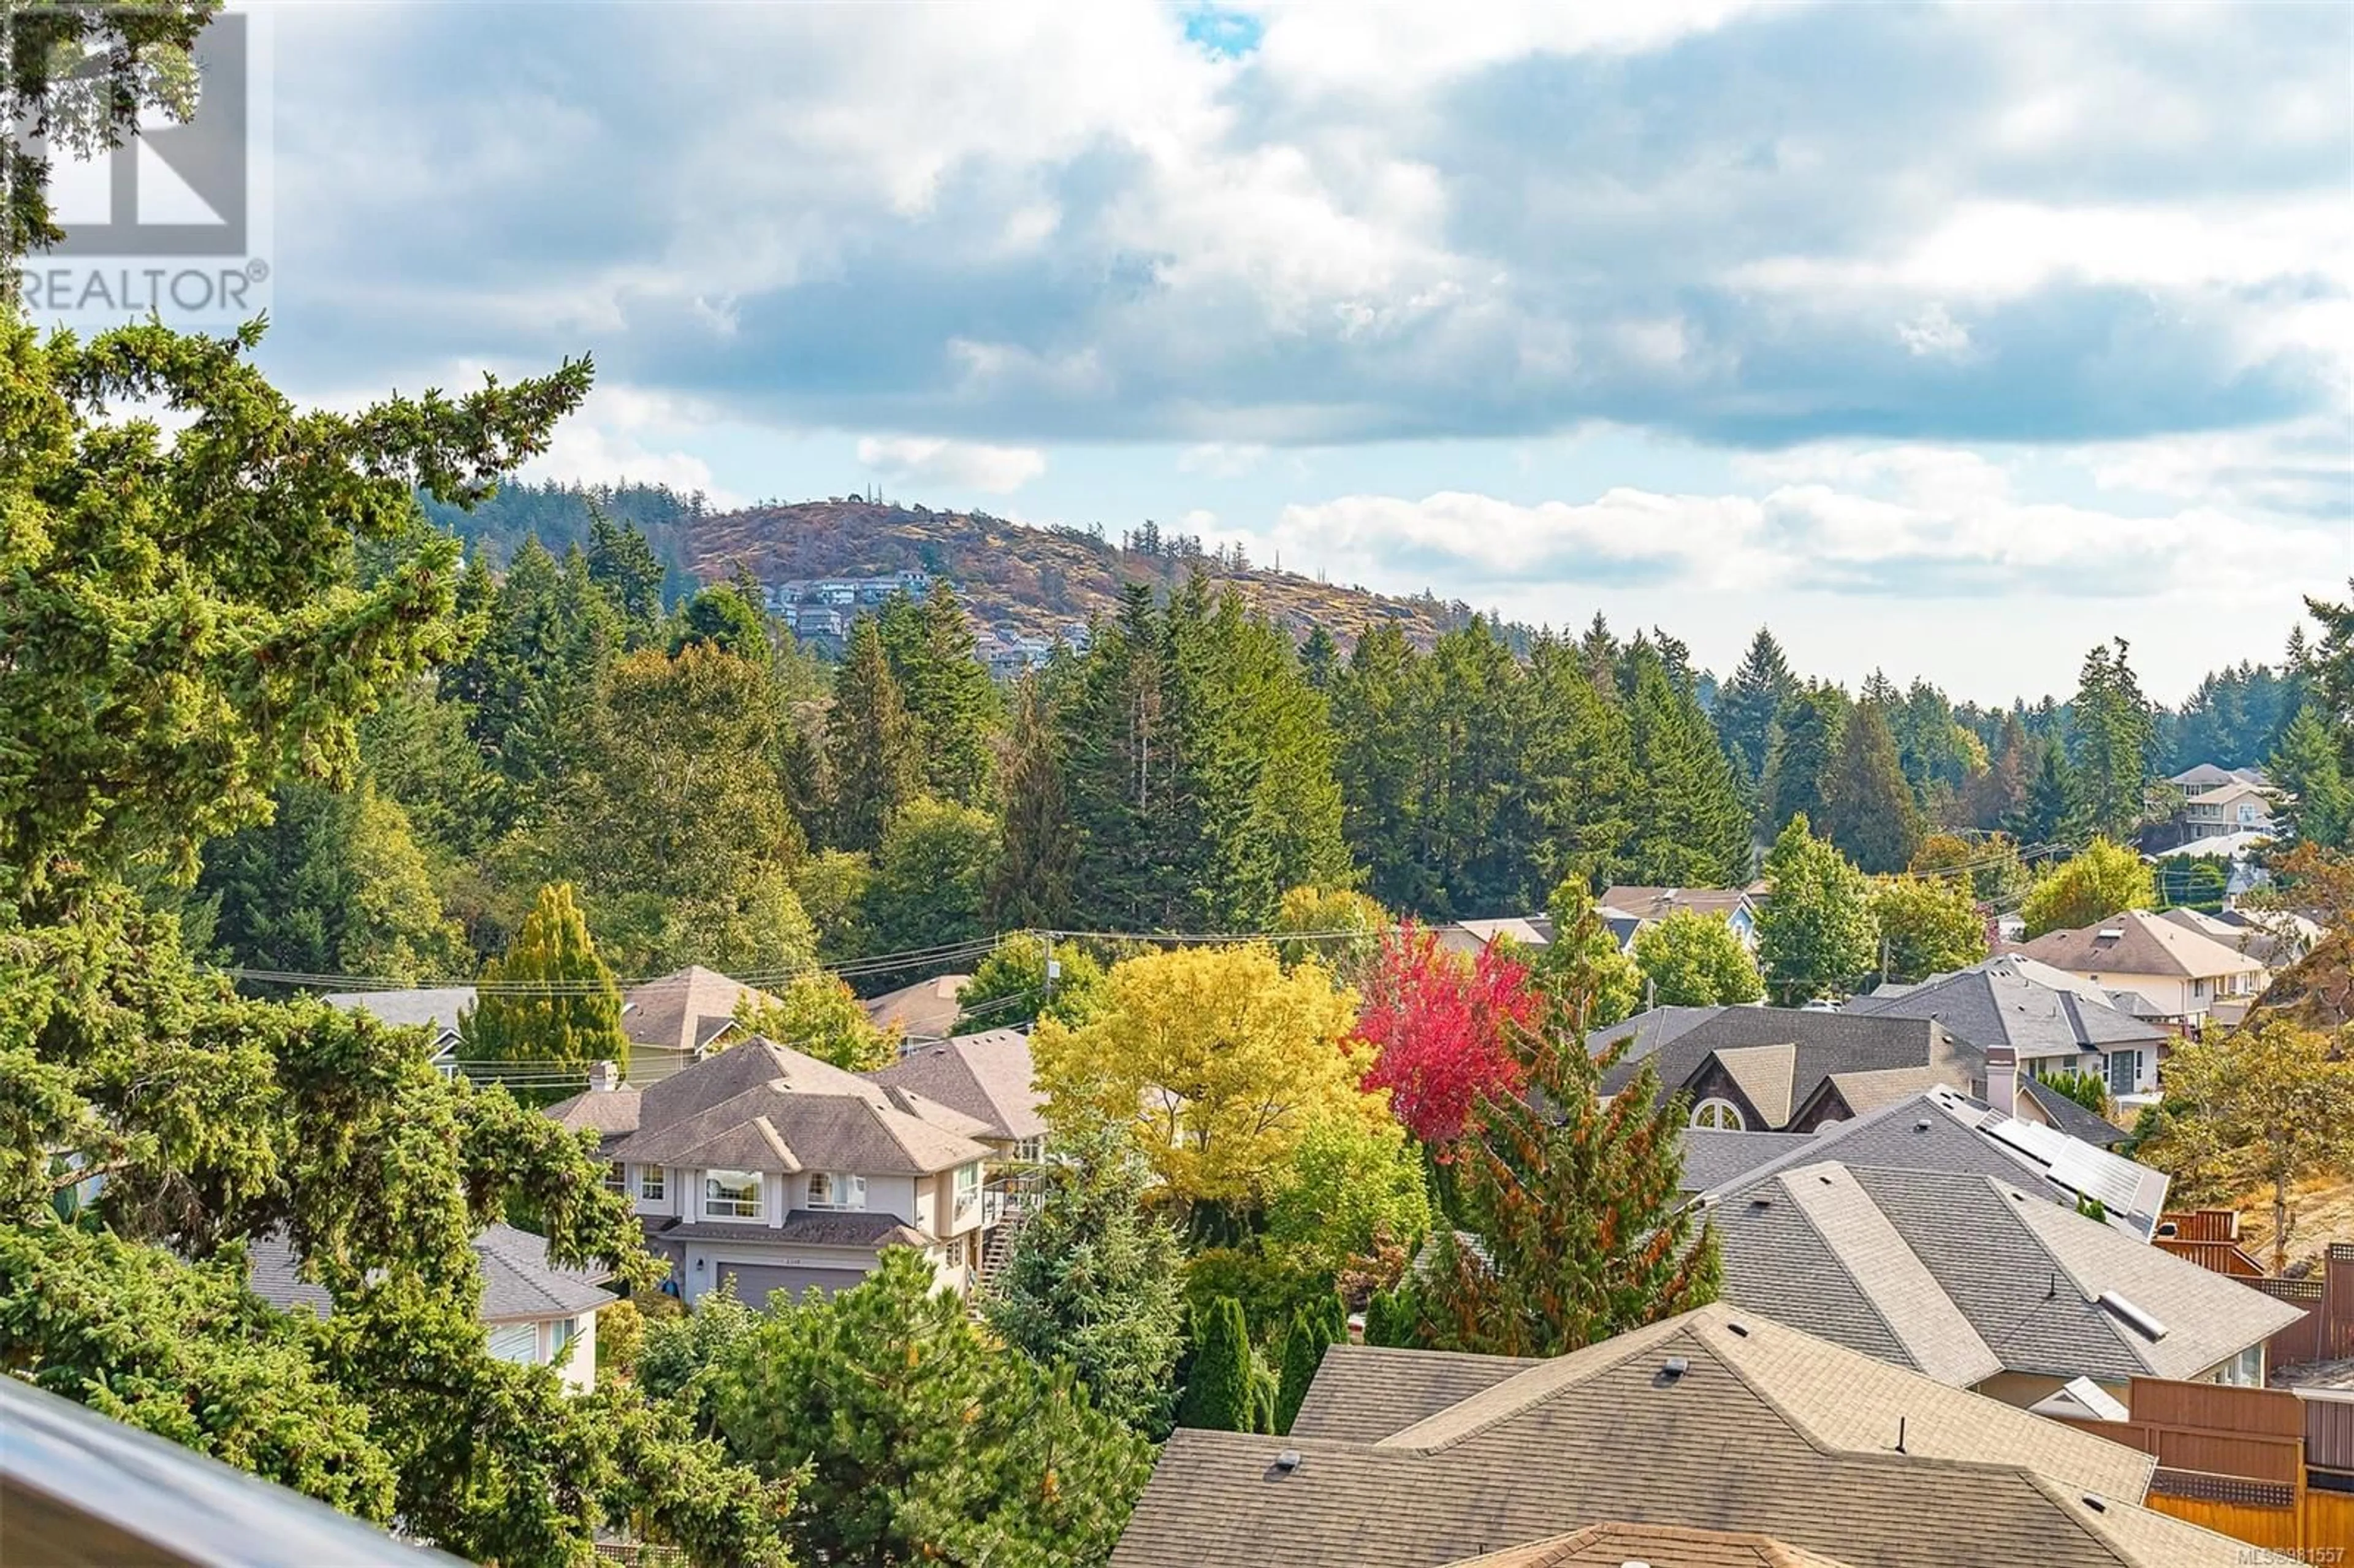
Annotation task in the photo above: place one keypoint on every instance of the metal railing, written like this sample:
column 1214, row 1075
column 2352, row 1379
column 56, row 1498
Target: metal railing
column 78, row 1490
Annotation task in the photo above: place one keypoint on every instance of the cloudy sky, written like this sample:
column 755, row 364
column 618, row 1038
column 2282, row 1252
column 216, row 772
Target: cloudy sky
column 1947, row 339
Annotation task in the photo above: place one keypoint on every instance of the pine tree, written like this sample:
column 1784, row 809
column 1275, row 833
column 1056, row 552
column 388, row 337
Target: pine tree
column 1218, row 1394
column 1868, row 808
column 951, row 702
column 549, row 1000
column 1691, row 828
column 1133, row 827
column 2049, row 807
column 874, row 764
column 1746, row 704
column 1032, row 884
column 624, row 566
column 2113, row 741
column 1097, row 1282
column 1581, row 1233
column 1319, row 657
column 1379, row 728
column 1576, row 779
column 1801, row 749
column 2306, row 764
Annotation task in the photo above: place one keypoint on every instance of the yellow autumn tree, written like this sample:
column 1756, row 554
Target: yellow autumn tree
column 1218, row 1059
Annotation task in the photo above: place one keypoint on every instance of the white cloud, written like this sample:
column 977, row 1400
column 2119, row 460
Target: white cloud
column 623, row 434
column 930, row 460
column 1935, row 333
column 1222, row 460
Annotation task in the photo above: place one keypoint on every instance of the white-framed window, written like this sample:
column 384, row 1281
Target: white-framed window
column 1722, row 1115
column 562, row 1333
column 968, row 1188
column 836, row 1189
column 2124, row 1071
column 649, row 1182
column 732, row 1193
column 516, row 1342
column 2245, row 1370
column 617, row 1178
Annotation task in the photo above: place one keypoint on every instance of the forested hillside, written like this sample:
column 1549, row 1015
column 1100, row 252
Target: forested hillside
column 1016, row 578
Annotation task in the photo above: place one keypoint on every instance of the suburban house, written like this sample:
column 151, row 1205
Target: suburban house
column 2235, row 808
column 987, row 1076
column 434, row 1008
column 1646, row 906
column 1472, row 937
column 2205, row 775
column 763, row 1166
column 1977, row 1282
column 1718, row 1420
column 924, row 1010
column 2156, row 968
column 674, row 1021
column 1940, row 1131
column 2273, row 938
column 536, row 1314
column 2055, row 1021
column 1770, row 1069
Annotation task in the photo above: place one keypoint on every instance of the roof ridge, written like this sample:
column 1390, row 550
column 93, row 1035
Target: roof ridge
column 1644, row 1345
column 1862, row 1289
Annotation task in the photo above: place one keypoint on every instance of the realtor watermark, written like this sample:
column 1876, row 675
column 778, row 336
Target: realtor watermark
column 175, row 222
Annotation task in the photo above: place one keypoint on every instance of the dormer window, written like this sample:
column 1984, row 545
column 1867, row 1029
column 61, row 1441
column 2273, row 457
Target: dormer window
column 731, row 1195
column 836, row 1189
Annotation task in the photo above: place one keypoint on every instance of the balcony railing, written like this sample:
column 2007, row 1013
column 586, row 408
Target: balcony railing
column 76, row 1488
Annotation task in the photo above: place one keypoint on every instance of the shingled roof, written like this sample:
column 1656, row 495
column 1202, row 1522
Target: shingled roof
column 2014, row 1001
column 1783, row 1059
column 1960, row 1276
column 1717, row 1420
column 988, row 1076
column 2138, row 943
column 1654, row 1546
column 519, row 1285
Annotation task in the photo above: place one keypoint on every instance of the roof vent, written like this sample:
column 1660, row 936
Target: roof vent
column 2111, row 934
column 1739, row 1329
column 1921, row 1126
column 1762, row 1201
column 1287, row 1461
column 2133, row 1318
column 2095, row 1504
column 1677, row 1366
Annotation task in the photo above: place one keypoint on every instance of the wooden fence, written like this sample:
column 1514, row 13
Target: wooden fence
column 2201, row 1225
column 2325, row 1333
column 2216, row 1257
column 2323, row 1522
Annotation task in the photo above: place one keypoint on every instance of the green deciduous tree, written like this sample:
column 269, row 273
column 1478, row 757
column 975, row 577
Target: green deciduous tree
column 677, row 829
column 818, row 1015
column 2100, row 880
column 1584, row 962
column 918, row 1439
column 931, row 876
column 722, row 616
column 1353, row 1186
column 1815, row 936
column 1691, row 960
column 550, row 1002
column 1928, row 925
column 2266, row 1107
column 1581, row 1233
column 1096, row 1281
column 1008, row 988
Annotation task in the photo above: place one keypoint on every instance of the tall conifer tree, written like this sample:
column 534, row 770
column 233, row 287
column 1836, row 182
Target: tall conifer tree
column 1868, row 808
column 1691, row 828
column 1033, row 883
column 1800, row 750
column 1746, row 705
column 950, row 701
column 873, row 757
column 549, row 1000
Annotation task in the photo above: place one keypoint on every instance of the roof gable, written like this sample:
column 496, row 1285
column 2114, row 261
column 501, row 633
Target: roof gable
column 1912, row 1054
column 987, row 1076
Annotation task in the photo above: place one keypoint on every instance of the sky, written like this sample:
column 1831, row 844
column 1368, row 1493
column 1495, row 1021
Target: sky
column 1943, row 340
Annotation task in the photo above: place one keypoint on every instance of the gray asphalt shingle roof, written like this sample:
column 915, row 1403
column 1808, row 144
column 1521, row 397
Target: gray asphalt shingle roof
column 988, row 1076
column 518, row 1282
column 1875, row 1059
column 2001, row 1002
column 1763, row 1429
column 1929, row 1251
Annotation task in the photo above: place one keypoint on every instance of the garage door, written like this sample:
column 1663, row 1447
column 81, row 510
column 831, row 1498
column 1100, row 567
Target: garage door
column 754, row 1281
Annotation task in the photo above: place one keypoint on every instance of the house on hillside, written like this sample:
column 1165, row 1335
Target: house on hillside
column 536, row 1314
column 2156, row 968
column 2055, row 1021
column 1687, row 1442
column 989, row 1077
column 2205, row 775
column 1942, row 1131
column 1645, row 905
column 679, row 1019
column 436, row 1009
column 1771, row 1069
column 1981, row 1284
column 2273, row 938
column 776, row 1171
column 2211, row 802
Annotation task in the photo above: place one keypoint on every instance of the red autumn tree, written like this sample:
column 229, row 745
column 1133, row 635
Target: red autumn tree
column 1440, row 1023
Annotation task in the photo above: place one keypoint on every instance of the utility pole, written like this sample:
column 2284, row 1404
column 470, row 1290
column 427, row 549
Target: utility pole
column 1054, row 970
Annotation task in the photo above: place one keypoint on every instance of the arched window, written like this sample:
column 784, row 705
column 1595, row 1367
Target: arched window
column 1722, row 1115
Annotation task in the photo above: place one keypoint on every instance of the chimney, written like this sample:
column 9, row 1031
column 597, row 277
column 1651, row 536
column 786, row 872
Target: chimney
column 604, row 1077
column 2002, row 1079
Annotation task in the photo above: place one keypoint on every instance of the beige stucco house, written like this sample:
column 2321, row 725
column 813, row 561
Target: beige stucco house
column 2156, row 968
